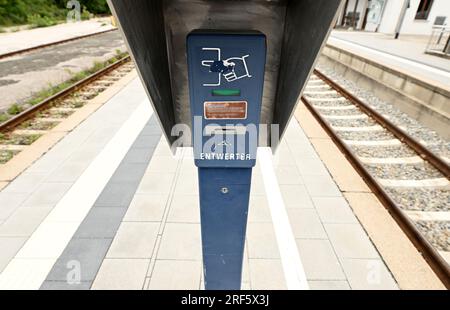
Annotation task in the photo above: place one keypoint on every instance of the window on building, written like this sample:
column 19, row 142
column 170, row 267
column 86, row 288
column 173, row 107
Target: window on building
column 424, row 9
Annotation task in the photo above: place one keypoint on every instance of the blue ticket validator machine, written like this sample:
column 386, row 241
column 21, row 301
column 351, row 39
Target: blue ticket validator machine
column 226, row 78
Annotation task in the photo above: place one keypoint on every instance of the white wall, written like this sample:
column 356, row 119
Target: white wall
column 410, row 24
column 390, row 16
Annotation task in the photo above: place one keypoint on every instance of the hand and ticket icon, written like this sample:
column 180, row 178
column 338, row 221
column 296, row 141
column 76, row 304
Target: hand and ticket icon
column 231, row 69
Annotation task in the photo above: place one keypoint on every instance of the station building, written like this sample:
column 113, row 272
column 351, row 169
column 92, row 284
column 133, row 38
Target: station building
column 419, row 16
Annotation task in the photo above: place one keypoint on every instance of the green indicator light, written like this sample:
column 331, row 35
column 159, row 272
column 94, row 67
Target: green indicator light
column 226, row 92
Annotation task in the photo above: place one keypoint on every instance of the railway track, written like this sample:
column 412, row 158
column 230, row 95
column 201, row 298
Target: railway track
column 19, row 132
column 30, row 49
column 409, row 179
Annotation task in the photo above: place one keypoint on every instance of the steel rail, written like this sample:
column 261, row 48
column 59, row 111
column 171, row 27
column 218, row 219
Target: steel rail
column 434, row 259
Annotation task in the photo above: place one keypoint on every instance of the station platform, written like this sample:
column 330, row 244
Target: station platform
column 109, row 207
column 30, row 38
column 406, row 54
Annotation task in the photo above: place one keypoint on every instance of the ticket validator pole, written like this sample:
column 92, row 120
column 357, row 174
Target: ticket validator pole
column 227, row 71
column 226, row 77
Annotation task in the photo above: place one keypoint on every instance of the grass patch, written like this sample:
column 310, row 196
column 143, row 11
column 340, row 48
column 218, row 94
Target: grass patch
column 13, row 139
column 14, row 109
column 35, row 125
column 6, row 155
column 48, row 92
column 4, row 117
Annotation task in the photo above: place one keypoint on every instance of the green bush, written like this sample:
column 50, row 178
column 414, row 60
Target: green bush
column 19, row 12
column 85, row 14
column 96, row 6
column 14, row 109
column 41, row 21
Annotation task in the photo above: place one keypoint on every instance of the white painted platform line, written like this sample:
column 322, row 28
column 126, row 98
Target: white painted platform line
column 49, row 240
column 294, row 272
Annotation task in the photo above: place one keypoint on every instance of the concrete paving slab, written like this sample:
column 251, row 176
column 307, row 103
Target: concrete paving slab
column 64, row 286
column 288, row 175
column 47, row 194
column 184, row 209
column 9, row 202
column 134, row 240
column 10, row 246
column 296, row 197
column 261, row 241
column 334, row 210
column 259, row 210
column 181, row 242
column 321, row 186
column 156, row 184
column 146, row 208
column 24, row 221
column 101, row 222
column 175, row 275
column 27, row 183
column 266, row 274
column 80, row 260
column 368, row 274
column 306, row 224
column 121, row 274
column 319, row 260
column 117, row 195
column 328, row 285
column 350, row 241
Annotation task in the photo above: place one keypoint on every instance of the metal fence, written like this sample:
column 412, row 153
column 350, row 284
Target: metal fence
column 439, row 42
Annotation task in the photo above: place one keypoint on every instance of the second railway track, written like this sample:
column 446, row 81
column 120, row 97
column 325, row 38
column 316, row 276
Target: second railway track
column 401, row 170
column 23, row 129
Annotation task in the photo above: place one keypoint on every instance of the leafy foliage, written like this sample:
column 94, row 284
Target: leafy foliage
column 44, row 12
